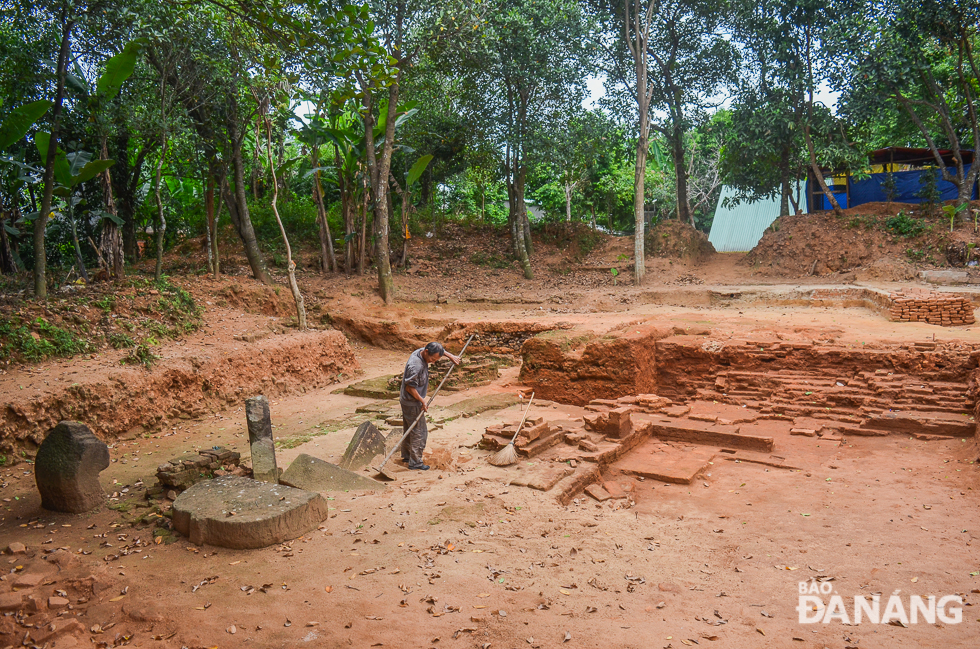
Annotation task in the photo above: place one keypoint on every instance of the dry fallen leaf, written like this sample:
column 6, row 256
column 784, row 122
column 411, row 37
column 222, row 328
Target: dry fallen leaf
column 328, row 589
column 117, row 598
column 760, row 631
column 568, row 636
column 232, row 629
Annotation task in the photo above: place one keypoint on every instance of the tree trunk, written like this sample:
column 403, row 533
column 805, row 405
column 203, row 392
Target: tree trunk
column 378, row 170
column 362, row 244
column 161, row 225
column 328, row 262
column 127, row 179
column 40, row 259
column 7, row 265
column 79, row 262
column 568, row 203
column 112, row 244
column 406, row 206
column 819, row 174
column 222, row 190
column 290, row 264
column 523, row 233
column 209, row 218
column 684, row 212
column 639, row 187
column 238, row 205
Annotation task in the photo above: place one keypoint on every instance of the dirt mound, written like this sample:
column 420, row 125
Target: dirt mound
column 677, row 240
column 884, row 238
column 253, row 297
column 207, row 377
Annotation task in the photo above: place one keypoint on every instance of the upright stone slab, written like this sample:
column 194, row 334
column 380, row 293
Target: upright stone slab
column 366, row 443
column 260, row 440
column 67, row 467
column 240, row 513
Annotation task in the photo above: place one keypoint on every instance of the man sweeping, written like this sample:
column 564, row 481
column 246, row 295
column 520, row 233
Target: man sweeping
column 415, row 383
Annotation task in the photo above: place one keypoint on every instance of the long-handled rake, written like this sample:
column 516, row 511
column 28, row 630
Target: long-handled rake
column 508, row 454
column 384, row 475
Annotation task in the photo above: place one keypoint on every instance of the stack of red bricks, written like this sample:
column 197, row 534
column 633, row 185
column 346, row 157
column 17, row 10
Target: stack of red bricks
column 948, row 310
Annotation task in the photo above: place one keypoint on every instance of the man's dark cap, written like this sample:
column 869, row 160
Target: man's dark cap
column 435, row 349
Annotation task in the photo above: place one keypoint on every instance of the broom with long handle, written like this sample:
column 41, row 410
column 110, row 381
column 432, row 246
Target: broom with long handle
column 508, row 454
column 381, row 473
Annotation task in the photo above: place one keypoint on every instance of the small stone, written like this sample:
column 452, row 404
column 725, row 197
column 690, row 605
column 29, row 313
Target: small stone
column 171, row 495
column 16, row 548
column 597, row 492
column 10, row 601
column 56, row 603
column 805, row 432
column 28, row 580
column 614, row 490
column 233, row 629
column 588, row 446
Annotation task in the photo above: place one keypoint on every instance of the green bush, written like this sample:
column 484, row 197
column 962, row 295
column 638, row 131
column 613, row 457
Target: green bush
column 906, row 226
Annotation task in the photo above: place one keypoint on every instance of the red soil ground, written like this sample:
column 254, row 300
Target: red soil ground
column 458, row 558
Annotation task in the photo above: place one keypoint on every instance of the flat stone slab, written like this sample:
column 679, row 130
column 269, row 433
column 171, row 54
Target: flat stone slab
column 485, row 403
column 597, row 492
column 241, row 513
column 313, row 474
column 665, row 463
column 945, row 276
column 376, row 388
column 543, row 480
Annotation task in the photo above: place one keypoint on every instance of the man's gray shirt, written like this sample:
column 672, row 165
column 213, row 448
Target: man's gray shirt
column 416, row 375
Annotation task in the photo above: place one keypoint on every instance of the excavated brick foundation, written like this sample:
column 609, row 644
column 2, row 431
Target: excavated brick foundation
column 643, row 402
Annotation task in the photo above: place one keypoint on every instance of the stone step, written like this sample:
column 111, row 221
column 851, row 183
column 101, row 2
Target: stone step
column 710, row 434
column 658, row 461
column 914, row 422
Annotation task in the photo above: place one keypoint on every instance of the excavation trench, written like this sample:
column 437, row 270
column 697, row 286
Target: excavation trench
column 647, row 403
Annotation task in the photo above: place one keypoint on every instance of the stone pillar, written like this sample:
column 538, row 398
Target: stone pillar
column 260, row 440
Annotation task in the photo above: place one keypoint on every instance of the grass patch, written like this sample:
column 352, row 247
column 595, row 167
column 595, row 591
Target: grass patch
column 37, row 340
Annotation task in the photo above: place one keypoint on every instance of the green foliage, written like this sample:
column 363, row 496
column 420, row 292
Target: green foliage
column 906, row 226
column 951, row 211
column 120, row 341
column 20, row 120
column 107, row 303
column 17, row 339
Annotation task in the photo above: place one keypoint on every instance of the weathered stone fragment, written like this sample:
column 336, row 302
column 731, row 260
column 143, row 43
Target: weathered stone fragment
column 67, row 468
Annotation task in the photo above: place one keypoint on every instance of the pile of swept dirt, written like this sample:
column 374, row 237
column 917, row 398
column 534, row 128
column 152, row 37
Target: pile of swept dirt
column 886, row 238
column 677, row 240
